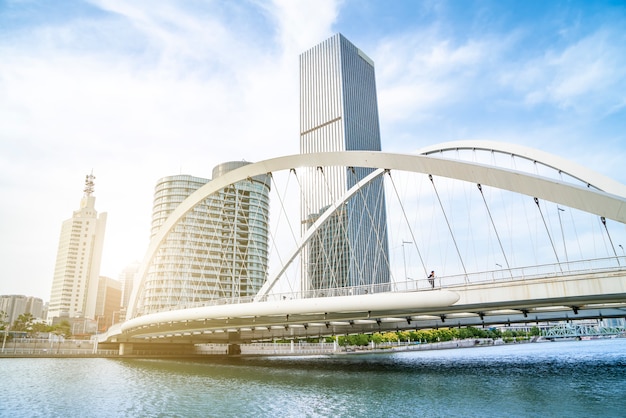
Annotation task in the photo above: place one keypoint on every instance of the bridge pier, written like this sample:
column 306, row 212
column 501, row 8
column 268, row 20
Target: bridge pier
column 125, row 349
column 234, row 349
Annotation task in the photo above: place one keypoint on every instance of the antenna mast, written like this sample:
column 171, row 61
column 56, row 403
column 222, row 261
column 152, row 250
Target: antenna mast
column 89, row 184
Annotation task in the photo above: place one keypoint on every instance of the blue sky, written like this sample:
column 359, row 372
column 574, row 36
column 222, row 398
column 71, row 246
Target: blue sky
column 140, row 90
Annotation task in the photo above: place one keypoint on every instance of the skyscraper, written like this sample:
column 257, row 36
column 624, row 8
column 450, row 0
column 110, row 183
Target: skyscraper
column 127, row 278
column 218, row 250
column 75, row 283
column 109, row 302
column 339, row 112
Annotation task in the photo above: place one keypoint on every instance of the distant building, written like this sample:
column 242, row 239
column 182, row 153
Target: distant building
column 219, row 250
column 127, row 278
column 75, row 283
column 16, row 305
column 13, row 306
column 108, row 304
column 339, row 112
column 34, row 306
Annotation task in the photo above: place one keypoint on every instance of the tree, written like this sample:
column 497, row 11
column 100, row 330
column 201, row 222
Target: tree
column 24, row 322
column 3, row 320
column 41, row 327
column 359, row 339
column 377, row 337
column 62, row 328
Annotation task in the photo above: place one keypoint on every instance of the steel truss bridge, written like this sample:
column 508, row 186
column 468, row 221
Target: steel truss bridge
column 569, row 330
column 458, row 208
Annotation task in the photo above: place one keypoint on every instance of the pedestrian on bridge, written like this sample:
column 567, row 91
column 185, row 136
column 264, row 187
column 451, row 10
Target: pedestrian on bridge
column 431, row 279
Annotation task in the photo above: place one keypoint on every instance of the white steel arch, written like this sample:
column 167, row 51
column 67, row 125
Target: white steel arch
column 601, row 203
column 577, row 171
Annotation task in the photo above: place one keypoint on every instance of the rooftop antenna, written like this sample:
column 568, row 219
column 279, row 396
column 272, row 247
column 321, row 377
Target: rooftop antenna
column 89, row 184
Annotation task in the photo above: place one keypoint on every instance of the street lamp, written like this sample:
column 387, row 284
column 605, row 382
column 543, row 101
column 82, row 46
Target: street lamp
column 559, row 210
column 4, row 340
column 406, row 278
column 95, row 337
column 623, row 253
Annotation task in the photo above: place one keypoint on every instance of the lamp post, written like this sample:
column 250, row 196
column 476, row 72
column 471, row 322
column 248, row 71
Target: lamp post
column 404, row 259
column 95, row 339
column 4, row 340
column 623, row 253
column 559, row 210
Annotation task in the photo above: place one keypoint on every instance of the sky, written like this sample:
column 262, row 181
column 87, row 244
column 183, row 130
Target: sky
column 138, row 90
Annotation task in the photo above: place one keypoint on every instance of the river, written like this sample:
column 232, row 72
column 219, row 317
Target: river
column 558, row 379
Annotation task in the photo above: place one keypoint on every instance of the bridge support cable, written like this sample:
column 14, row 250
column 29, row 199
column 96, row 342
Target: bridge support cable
column 374, row 206
column 406, row 219
column 310, row 233
column 283, row 213
column 549, row 235
column 282, row 201
column 480, row 187
column 430, row 177
column 327, row 245
column 355, row 245
column 603, row 220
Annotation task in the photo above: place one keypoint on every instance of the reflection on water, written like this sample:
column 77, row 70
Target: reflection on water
column 585, row 378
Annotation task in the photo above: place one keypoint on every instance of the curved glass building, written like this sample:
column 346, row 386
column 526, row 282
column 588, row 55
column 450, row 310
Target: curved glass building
column 218, row 250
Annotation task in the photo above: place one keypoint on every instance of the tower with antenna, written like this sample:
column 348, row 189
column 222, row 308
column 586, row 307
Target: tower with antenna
column 77, row 270
column 89, row 184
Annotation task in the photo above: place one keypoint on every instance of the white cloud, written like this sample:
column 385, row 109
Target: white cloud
column 586, row 76
column 303, row 24
column 420, row 71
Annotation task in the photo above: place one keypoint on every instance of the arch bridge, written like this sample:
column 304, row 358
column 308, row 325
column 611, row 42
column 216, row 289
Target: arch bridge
column 515, row 236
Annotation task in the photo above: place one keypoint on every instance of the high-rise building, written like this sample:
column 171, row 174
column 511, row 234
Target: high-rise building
column 127, row 278
column 219, row 250
column 75, row 283
column 109, row 302
column 339, row 112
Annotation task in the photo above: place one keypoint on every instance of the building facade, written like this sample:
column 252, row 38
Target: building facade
column 339, row 112
column 77, row 269
column 15, row 305
column 127, row 278
column 219, row 249
column 109, row 302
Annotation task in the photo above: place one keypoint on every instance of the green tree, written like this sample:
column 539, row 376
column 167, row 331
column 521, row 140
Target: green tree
column 377, row 337
column 24, row 322
column 359, row 339
column 41, row 327
column 62, row 328
column 3, row 320
column 445, row 334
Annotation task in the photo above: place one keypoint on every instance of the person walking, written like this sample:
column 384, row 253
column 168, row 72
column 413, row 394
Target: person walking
column 431, row 279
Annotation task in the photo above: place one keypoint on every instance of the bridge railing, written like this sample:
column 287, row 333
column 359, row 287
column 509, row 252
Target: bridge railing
column 541, row 271
column 425, row 284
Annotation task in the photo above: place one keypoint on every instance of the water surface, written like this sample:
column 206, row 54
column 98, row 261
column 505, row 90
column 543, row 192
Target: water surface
column 578, row 378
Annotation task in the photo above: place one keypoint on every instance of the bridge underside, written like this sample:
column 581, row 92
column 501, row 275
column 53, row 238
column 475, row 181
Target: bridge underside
column 241, row 330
